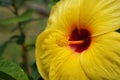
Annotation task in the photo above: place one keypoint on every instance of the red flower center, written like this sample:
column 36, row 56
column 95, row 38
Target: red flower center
column 79, row 40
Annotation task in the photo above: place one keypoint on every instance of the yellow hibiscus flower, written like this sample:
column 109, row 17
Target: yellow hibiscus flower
column 80, row 42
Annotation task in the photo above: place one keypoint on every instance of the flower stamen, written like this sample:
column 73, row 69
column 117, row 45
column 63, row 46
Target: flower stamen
column 76, row 42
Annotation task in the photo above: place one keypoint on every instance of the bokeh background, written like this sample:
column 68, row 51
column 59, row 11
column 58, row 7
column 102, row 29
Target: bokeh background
column 21, row 21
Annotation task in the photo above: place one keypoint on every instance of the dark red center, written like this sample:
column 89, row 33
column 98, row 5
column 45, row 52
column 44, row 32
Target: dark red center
column 78, row 35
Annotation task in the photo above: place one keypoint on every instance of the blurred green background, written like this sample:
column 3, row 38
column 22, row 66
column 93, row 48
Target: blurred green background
column 21, row 21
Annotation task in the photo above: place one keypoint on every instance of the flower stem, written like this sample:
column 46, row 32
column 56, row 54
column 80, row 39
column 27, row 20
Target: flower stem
column 25, row 55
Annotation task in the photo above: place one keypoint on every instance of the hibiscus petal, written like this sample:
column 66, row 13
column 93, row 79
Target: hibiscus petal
column 102, row 60
column 66, row 66
column 99, row 16
column 47, row 48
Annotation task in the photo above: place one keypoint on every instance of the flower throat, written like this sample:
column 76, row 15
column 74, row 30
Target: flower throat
column 79, row 40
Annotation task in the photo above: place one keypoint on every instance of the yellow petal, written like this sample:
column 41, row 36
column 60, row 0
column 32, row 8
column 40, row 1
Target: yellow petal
column 99, row 16
column 47, row 47
column 102, row 60
column 66, row 66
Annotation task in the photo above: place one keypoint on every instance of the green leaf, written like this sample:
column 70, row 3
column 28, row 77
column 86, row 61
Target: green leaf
column 14, row 37
column 19, row 3
column 31, row 46
column 2, row 47
column 24, row 17
column 35, row 73
column 20, row 39
column 5, row 2
column 118, row 30
column 11, row 71
column 5, row 76
column 56, row 0
column 53, row 3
